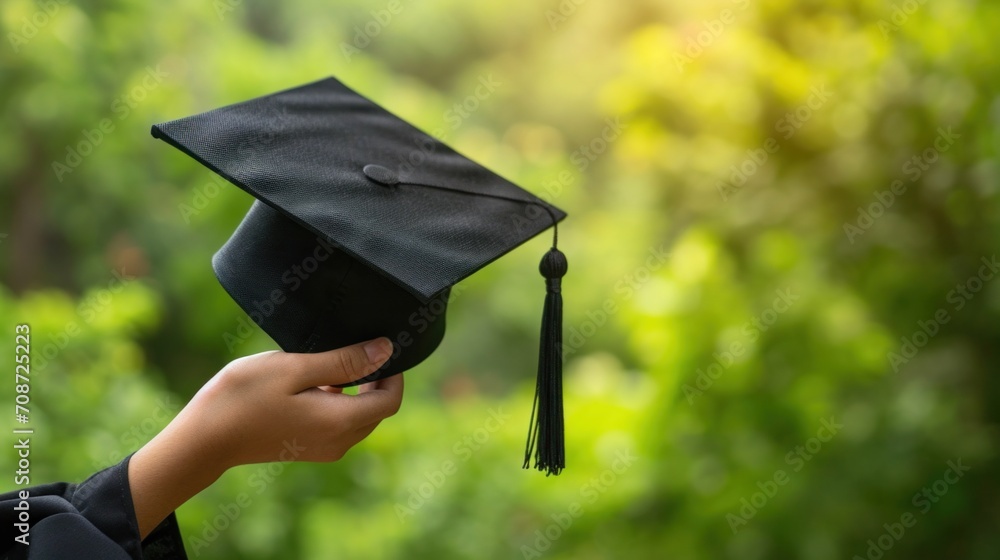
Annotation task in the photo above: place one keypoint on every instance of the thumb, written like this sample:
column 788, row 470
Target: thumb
column 343, row 365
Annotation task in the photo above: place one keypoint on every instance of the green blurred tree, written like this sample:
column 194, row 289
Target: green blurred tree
column 744, row 267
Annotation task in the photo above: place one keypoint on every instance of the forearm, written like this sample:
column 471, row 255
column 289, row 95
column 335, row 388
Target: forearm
column 167, row 472
column 250, row 411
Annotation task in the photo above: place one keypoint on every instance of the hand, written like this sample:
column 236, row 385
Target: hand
column 259, row 404
column 262, row 408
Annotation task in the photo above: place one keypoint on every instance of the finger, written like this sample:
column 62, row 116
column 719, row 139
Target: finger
column 372, row 385
column 340, row 366
column 331, row 389
column 376, row 403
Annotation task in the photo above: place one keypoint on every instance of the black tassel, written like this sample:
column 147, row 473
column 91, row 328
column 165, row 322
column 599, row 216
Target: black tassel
column 546, row 433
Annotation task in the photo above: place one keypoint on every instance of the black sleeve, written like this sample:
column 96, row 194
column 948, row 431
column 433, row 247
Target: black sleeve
column 93, row 519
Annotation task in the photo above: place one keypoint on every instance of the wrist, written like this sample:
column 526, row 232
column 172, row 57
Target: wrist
column 169, row 470
column 202, row 448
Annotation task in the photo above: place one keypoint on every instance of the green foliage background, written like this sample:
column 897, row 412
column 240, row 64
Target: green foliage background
column 639, row 377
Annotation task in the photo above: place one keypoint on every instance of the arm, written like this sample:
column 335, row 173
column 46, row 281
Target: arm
column 251, row 410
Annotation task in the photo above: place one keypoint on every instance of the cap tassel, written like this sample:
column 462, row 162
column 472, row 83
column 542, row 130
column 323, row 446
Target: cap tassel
column 546, row 435
column 546, row 432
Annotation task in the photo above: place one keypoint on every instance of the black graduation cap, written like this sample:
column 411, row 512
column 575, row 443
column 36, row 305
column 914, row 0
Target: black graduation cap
column 362, row 224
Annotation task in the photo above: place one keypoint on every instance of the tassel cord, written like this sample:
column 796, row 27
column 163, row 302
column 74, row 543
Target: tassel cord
column 546, row 430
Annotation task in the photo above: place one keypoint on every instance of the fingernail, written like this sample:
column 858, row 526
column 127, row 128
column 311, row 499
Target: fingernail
column 378, row 350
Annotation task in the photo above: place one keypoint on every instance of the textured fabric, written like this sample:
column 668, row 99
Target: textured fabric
column 397, row 216
column 90, row 520
column 303, row 152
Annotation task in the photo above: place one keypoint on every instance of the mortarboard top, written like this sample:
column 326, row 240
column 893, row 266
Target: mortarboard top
column 362, row 224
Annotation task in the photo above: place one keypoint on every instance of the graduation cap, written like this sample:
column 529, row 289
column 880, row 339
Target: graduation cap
column 361, row 226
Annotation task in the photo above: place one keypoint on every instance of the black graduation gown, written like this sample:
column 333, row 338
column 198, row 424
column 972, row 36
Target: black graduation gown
column 87, row 521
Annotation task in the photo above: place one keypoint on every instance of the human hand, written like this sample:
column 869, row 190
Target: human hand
column 255, row 410
column 258, row 404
